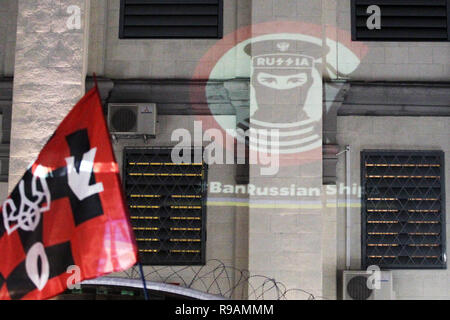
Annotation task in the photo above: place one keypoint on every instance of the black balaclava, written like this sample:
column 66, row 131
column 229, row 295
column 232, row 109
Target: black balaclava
column 282, row 77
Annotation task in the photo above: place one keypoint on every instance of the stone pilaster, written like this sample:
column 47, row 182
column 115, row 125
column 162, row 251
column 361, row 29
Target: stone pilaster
column 285, row 215
column 50, row 71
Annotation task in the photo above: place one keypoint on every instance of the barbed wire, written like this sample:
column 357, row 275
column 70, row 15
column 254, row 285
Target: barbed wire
column 219, row 279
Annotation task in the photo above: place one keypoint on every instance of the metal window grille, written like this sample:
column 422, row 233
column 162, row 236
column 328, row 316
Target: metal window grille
column 171, row 19
column 403, row 209
column 167, row 203
column 403, row 20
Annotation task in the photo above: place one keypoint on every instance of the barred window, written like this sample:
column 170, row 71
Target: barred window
column 401, row 20
column 167, row 204
column 171, row 19
column 403, row 209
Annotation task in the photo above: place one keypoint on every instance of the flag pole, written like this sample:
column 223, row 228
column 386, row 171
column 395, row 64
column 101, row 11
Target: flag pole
column 144, row 283
column 94, row 75
column 141, row 269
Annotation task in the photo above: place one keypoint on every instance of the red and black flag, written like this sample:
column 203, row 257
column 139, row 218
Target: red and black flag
column 66, row 219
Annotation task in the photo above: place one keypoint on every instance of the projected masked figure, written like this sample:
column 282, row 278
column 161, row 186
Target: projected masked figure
column 284, row 75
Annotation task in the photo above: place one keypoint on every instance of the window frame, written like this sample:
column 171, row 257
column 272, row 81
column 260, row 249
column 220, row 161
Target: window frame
column 204, row 215
column 220, row 27
column 355, row 33
column 383, row 152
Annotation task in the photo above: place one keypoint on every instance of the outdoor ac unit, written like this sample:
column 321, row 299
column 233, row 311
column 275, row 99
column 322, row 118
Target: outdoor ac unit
column 355, row 286
column 132, row 119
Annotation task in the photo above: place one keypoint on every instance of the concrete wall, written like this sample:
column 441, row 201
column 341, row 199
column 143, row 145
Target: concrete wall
column 285, row 234
column 329, row 247
column 8, row 26
column 97, row 37
column 408, row 133
column 152, row 58
column 221, row 226
column 50, row 71
column 395, row 61
column 3, row 191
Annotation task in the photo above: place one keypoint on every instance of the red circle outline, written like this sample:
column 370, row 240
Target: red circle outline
column 229, row 41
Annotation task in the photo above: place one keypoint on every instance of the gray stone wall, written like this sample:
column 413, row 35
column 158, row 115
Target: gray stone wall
column 393, row 133
column 329, row 247
column 285, row 233
column 97, row 37
column 8, row 25
column 50, row 71
column 3, row 191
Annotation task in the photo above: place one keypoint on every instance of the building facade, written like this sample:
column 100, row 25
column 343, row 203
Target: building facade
column 337, row 94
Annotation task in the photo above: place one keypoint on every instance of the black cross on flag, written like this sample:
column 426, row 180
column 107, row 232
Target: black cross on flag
column 67, row 218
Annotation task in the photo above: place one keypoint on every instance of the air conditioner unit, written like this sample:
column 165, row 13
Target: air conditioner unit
column 355, row 286
column 131, row 119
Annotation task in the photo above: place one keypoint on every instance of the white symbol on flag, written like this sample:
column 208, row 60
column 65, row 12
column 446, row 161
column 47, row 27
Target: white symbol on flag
column 39, row 276
column 28, row 216
column 79, row 181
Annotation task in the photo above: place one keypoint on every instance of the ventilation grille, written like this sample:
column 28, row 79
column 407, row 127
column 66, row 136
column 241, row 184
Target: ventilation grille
column 357, row 288
column 171, row 19
column 167, row 203
column 124, row 119
column 403, row 20
column 403, row 209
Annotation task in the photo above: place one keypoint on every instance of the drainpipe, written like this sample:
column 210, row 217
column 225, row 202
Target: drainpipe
column 348, row 184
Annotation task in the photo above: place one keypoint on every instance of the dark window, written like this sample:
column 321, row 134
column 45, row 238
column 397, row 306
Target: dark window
column 140, row 19
column 5, row 127
column 167, row 204
column 403, row 209
column 403, row 20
